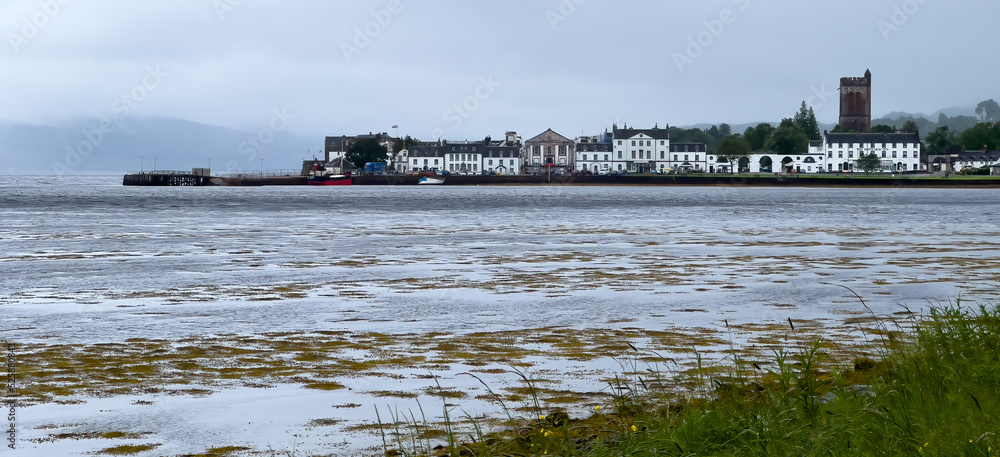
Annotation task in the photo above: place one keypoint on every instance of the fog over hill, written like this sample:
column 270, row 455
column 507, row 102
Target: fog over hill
column 173, row 144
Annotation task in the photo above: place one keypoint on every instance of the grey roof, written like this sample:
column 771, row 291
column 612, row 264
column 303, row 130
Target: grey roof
column 872, row 138
column 595, row 147
column 427, row 151
column 656, row 133
column 691, row 147
column 979, row 156
column 549, row 136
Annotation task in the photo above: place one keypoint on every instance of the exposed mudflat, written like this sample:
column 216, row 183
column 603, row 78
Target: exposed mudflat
column 249, row 319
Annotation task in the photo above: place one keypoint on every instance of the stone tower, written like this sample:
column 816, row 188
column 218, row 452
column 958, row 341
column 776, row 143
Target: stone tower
column 856, row 103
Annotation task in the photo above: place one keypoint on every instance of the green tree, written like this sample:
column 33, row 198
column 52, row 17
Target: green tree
column 869, row 162
column 714, row 131
column 805, row 119
column 840, row 129
column 789, row 139
column 882, row 128
column 758, row 136
column 405, row 143
column 364, row 151
column 939, row 141
column 910, row 126
column 989, row 110
column 733, row 149
column 679, row 135
column 725, row 130
column 982, row 136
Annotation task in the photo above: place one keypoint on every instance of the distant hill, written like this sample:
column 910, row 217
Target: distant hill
column 175, row 144
column 950, row 112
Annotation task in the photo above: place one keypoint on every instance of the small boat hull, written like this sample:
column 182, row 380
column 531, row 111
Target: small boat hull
column 429, row 180
column 330, row 181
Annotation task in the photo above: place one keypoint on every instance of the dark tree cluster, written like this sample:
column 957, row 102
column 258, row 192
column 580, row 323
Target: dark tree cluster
column 364, row 151
column 790, row 137
column 981, row 136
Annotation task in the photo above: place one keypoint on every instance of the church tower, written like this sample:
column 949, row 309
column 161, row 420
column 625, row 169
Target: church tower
column 856, row 103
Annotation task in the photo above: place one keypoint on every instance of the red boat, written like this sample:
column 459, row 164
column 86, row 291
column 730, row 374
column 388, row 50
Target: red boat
column 320, row 176
column 333, row 180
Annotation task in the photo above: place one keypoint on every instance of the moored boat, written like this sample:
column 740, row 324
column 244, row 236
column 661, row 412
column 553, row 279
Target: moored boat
column 321, row 176
column 430, row 180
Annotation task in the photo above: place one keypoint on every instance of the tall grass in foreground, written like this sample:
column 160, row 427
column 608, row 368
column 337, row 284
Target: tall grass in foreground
column 934, row 390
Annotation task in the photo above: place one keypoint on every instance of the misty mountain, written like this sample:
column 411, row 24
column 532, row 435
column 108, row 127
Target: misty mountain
column 950, row 112
column 173, row 144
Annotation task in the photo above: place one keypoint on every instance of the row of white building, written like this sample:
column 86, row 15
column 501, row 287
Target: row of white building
column 629, row 150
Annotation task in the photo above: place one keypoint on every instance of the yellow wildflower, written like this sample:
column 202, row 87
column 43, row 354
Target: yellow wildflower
column 634, row 428
column 597, row 408
column 541, row 418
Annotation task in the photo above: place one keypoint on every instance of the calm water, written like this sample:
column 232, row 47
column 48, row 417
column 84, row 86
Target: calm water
column 90, row 261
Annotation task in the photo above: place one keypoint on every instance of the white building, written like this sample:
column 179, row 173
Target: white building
column 467, row 158
column 640, row 150
column 549, row 150
column 687, row 157
column 426, row 158
column 772, row 163
column 899, row 151
column 975, row 159
column 463, row 158
column 401, row 163
column 595, row 154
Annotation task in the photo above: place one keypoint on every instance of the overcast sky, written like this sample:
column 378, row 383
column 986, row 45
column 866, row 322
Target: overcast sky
column 338, row 67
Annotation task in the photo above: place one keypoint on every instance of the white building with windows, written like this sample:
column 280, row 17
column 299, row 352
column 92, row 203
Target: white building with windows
column 975, row 159
column 463, row 158
column 640, row 150
column 899, row 151
column 426, row 158
column 595, row 154
column 687, row 157
column 467, row 158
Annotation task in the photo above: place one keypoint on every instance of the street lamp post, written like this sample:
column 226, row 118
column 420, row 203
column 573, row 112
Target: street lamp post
column 141, row 169
column 261, row 168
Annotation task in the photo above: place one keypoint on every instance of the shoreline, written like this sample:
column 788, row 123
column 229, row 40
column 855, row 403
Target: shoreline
column 705, row 180
column 745, row 180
